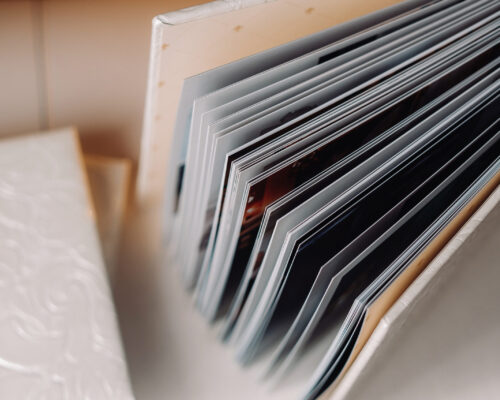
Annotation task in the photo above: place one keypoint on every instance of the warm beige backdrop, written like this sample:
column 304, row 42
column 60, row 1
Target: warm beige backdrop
column 78, row 62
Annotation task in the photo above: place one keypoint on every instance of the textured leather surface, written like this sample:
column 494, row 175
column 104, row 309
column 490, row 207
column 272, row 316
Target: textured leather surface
column 58, row 332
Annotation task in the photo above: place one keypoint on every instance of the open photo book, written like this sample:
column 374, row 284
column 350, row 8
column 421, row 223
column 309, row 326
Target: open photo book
column 312, row 158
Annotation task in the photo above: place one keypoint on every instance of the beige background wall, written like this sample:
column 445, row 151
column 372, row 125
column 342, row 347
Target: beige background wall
column 78, row 62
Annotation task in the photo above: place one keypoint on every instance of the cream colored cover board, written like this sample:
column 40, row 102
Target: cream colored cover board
column 109, row 180
column 201, row 38
column 59, row 337
column 440, row 338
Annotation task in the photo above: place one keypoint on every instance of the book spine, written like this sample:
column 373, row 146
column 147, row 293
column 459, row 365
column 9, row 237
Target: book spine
column 150, row 108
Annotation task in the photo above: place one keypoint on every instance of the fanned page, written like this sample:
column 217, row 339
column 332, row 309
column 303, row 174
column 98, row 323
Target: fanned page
column 309, row 184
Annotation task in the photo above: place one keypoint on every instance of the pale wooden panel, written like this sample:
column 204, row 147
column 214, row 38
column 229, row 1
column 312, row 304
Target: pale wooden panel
column 19, row 105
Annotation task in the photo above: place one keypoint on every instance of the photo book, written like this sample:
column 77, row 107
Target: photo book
column 313, row 157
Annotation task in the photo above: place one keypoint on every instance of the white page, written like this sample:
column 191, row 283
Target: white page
column 224, row 222
column 384, row 69
column 229, row 100
column 319, row 300
column 194, row 218
column 255, row 306
column 225, row 75
column 273, row 209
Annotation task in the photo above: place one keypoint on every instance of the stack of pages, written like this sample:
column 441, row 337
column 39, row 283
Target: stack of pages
column 305, row 196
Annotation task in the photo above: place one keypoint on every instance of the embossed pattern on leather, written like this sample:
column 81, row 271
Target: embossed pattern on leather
column 58, row 331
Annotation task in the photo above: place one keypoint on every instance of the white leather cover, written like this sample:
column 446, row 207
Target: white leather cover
column 58, row 332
